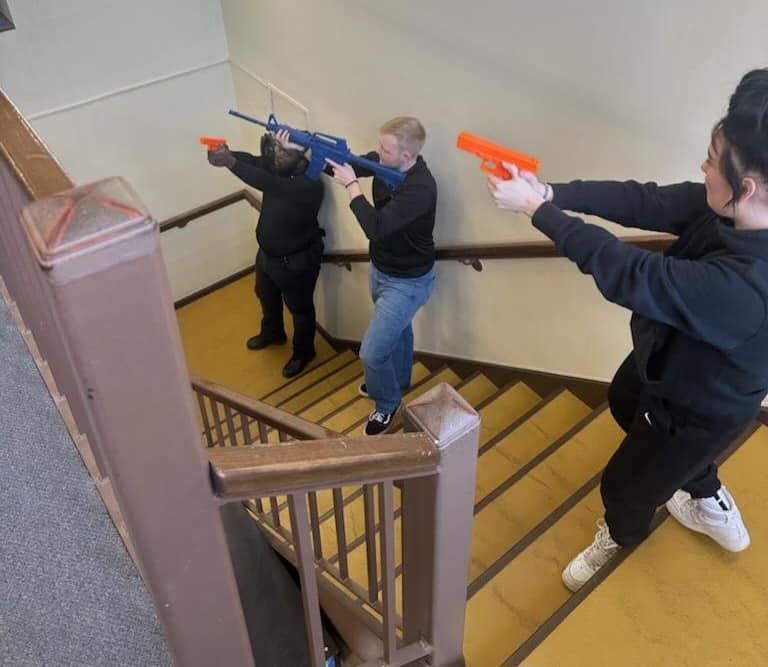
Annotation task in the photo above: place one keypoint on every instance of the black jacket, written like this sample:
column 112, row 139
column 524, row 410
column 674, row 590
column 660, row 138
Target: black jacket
column 289, row 207
column 400, row 223
column 699, row 322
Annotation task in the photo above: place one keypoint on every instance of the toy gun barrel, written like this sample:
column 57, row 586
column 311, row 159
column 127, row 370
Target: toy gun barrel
column 270, row 125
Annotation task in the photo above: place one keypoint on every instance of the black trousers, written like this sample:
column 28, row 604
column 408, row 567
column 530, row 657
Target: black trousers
column 291, row 280
column 666, row 448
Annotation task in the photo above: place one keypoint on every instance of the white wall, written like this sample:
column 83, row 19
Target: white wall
column 595, row 88
column 64, row 55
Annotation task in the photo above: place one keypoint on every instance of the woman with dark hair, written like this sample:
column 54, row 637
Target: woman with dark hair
column 698, row 370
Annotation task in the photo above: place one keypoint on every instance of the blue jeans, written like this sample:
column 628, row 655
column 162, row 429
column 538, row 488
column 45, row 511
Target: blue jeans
column 387, row 348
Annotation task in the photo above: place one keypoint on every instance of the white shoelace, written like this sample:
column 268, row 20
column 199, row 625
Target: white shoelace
column 600, row 551
column 380, row 417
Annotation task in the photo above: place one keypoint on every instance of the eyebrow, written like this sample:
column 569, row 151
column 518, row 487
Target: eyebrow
column 709, row 153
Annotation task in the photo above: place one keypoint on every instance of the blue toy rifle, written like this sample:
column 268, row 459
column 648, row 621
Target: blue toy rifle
column 326, row 146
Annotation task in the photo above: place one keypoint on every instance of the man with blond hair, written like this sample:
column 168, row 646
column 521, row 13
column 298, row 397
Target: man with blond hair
column 399, row 225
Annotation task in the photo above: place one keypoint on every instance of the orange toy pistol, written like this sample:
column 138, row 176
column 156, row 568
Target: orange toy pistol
column 492, row 155
column 213, row 143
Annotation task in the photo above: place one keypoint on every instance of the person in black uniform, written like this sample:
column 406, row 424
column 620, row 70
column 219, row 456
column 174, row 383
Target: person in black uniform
column 290, row 241
column 698, row 370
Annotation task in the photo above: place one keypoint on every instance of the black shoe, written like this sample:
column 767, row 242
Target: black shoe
column 295, row 365
column 260, row 341
column 380, row 422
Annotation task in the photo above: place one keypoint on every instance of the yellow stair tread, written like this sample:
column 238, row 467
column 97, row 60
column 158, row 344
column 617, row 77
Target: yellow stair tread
column 527, row 502
column 341, row 377
column 680, row 599
column 477, row 389
column 512, row 605
column 306, row 379
column 534, row 435
column 504, row 409
column 317, row 412
column 349, row 416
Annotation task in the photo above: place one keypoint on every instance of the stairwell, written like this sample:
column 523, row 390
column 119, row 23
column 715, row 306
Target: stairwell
column 536, row 503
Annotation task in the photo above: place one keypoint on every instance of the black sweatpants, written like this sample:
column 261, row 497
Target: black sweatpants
column 666, row 448
column 291, row 279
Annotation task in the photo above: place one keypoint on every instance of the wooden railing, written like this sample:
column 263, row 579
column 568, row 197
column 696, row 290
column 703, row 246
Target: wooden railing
column 469, row 254
column 298, row 467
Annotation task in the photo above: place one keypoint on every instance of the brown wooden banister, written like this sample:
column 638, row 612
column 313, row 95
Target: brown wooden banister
column 260, row 470
column 263, row 412
column 522, row 250
column 470, row 254
column 34, row 166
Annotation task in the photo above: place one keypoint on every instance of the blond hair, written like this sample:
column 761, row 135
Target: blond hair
column 408, row 131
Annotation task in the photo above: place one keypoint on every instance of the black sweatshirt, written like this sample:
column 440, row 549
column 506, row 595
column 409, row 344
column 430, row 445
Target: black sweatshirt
column 288, row 219
column 399, row 225
column 699, row 322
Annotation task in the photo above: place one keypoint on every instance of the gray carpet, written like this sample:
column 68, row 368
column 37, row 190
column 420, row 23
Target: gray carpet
column 69, row 593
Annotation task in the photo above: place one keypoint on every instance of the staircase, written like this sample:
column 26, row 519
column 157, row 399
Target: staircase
column 539, row 456
column 536, row 502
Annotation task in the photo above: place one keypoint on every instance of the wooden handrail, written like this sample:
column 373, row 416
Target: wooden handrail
column 34, row 166
column 261, row 470
column 523, row 250
column 468, row 254
column 263, row 412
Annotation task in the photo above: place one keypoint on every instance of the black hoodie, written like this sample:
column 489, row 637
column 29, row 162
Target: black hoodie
column 401, row 222
column 699, row 322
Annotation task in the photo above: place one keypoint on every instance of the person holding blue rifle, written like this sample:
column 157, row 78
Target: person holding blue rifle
column 399, row 224
column 290, row 241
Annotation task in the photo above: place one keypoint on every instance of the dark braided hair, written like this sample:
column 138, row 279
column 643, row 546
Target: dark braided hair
column 745, row 130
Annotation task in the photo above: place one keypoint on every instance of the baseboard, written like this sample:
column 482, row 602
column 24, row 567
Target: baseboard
column 186, row 300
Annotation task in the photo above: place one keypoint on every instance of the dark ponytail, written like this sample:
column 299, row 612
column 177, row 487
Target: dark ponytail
column 745, row 130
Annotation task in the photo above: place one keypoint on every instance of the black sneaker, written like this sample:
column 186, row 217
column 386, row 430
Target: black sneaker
column 295, row 365
column 260, row 341
column 380, row 422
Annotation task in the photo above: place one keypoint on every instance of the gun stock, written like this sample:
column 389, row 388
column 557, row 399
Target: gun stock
column 492, row 155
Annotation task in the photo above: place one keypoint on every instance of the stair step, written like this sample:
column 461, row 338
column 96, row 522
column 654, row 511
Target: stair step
column 324, row 387
column 347, row 394
column 512, row 605
column 476, row 389
column 522, row 506
column 305, row 380
column 511, row 402
column 551, row 421
column 679, row 598
column 352, row 419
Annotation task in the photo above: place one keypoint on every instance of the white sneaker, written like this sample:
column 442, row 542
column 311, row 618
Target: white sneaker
column 581, row 569
column 716, row 516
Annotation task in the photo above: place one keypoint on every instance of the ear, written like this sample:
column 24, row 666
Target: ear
column 749, row 188
column 407, row 155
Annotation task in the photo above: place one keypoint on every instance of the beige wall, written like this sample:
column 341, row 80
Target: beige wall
column 595, row 88
column 126, row 88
